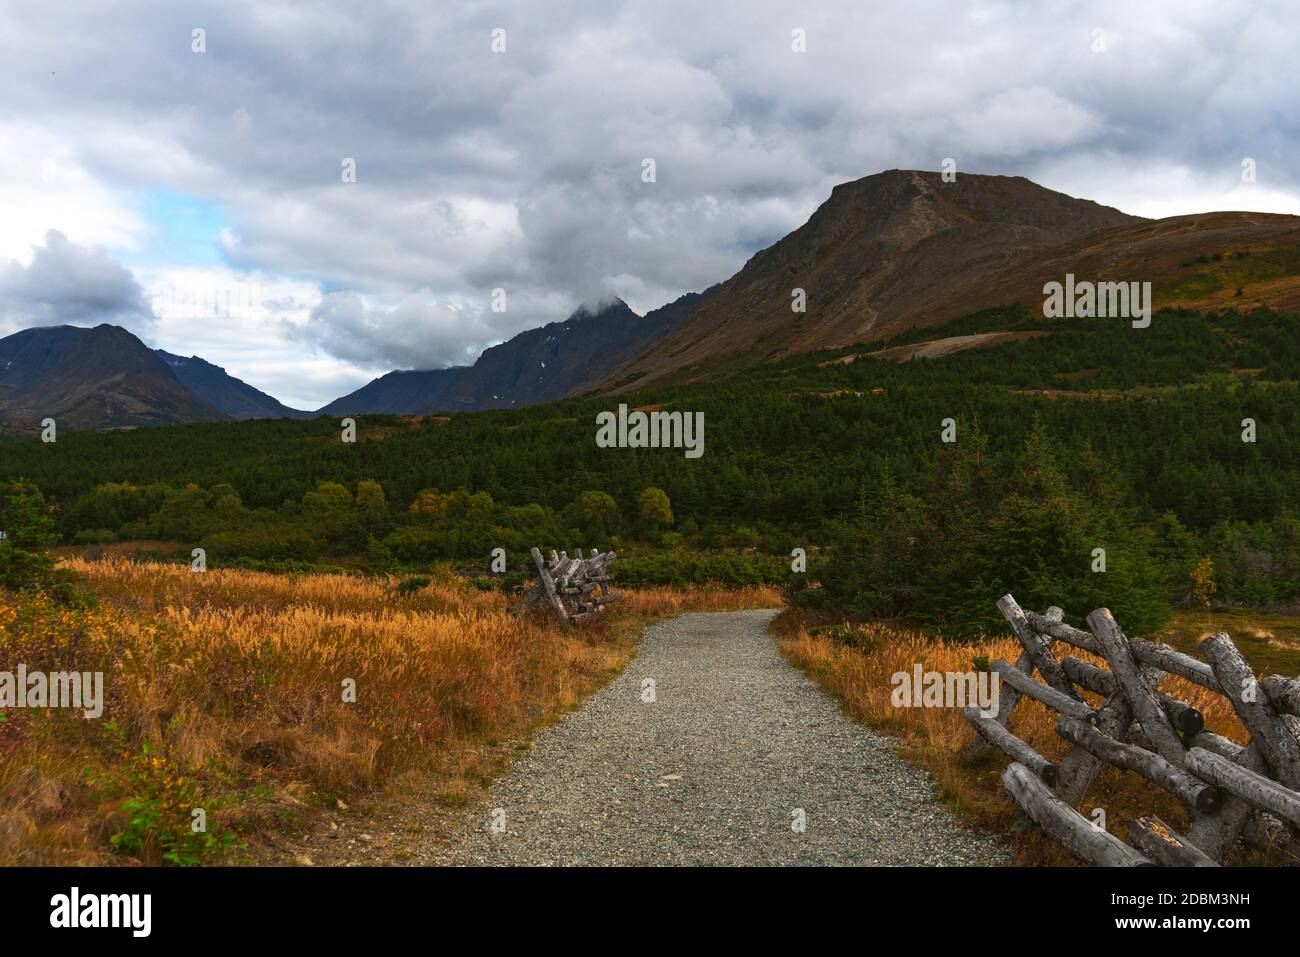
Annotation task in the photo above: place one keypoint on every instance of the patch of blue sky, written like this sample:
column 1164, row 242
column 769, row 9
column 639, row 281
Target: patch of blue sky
column 186, row 231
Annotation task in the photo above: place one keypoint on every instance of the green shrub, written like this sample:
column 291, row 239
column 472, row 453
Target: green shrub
column 28, row 526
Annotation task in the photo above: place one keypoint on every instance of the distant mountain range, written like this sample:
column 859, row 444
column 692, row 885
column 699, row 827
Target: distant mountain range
column 539, row 365
column 886, row 253
column 881, row 251
column 233, row 397
column 412, row 393
column 130, row 385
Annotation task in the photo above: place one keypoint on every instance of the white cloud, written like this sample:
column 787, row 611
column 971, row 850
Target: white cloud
column 64, row 283
column 45, row 187
column 1157, row 189
column 1020, row 121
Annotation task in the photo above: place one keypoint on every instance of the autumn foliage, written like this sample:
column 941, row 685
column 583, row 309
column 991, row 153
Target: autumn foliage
column 227, row 691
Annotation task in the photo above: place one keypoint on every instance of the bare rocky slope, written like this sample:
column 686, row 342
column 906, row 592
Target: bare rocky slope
column 903, row 249
column 537, row 365
column 882, row 252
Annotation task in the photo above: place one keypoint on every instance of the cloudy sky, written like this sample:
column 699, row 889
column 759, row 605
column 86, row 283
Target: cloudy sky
column 199, row 197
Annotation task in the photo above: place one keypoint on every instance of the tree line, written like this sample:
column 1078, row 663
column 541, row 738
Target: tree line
column 1128, row 440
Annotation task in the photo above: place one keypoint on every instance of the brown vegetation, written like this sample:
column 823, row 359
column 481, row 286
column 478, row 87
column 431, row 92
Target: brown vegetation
column 226, row 691
column 855, row 663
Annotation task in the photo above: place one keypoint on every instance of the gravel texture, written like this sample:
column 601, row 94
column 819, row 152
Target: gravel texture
column 712, row 771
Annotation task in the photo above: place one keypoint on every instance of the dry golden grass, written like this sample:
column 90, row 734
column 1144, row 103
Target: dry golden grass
column 941, row 740
column 659, row 601
column 225, row 690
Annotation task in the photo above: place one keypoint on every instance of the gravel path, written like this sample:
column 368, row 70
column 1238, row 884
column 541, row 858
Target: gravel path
column 712, row 771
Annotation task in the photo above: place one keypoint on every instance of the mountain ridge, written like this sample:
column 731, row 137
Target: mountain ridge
column 562, row 358
column 97, row 377
column 886, row 253
column 873, row 247
column 541, row 364
column 402, row 391
column 235, row 397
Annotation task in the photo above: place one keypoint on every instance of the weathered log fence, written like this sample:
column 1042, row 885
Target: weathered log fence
column 1233, row 793
column 573, row 587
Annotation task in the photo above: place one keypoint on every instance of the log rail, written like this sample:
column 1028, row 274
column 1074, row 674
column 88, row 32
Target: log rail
column 575, row 588
column 1233, row 794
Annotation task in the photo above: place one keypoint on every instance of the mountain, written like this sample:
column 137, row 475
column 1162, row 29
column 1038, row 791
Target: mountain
column 902, row 249
column 406, row 393
column 538, row 365
column 234, row 397
column 883, row 252
column 562, row 358
column 119, row 381
column 91, row 378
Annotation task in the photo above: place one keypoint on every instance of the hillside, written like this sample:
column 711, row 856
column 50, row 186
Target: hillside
column 402, row 392
column 234, row 397
column 903, row 250
column 877, row 254
column 91, row 379
column 537, row 365
column 889, row 255
column 1198, row 261
column 545, row 452
column 563, row 358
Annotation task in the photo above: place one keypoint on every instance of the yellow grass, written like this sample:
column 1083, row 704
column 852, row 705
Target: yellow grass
column 226, row 690
column 940, row 739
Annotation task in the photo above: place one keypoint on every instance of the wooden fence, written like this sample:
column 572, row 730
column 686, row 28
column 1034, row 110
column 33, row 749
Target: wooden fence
column 574, row 587
column 1233, row 793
